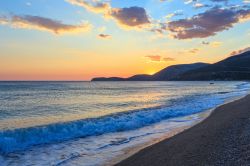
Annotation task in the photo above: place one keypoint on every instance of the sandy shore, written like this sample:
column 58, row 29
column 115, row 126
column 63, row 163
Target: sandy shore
column 221, row 139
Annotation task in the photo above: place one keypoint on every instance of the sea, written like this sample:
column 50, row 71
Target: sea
column 100, row 123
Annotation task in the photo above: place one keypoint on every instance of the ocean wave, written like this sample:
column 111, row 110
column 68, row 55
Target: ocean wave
column 23, row 138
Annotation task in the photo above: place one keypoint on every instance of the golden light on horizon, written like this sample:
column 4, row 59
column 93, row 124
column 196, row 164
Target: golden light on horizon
column 151, row 72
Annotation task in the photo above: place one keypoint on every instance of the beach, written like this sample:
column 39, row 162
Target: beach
column 221, row 139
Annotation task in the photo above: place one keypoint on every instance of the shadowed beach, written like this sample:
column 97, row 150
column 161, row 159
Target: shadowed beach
column 221, row 139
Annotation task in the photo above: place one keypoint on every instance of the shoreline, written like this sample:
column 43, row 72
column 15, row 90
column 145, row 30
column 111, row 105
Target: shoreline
column 133, row 150
column 128, row 152
column 169, row 151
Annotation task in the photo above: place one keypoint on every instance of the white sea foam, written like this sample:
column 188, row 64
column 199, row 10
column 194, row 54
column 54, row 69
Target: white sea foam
column 97, row 150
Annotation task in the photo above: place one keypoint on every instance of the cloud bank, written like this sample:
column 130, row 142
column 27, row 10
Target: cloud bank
column 128, row 18
column 208, row 23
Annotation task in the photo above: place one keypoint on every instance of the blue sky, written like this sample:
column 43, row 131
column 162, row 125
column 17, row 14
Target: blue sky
column 81, row 39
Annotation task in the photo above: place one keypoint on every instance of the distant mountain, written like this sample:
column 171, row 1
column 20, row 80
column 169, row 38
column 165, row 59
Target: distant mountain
column 233, row 68
column 169, row 73
column 173, row 72
column 108, row 79
column 140, row 77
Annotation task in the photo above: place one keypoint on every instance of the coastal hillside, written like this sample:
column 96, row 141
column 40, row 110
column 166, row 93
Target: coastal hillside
column 168, row 73
column 233, row 68
column 173, row 72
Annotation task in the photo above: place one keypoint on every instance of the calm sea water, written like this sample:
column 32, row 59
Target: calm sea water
column 89, row 123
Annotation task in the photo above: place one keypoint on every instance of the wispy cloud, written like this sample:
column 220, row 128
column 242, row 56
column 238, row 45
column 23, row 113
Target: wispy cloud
column 158, row 58
column 176, row 13
column 190, row 51
column 3, row 20
column 104, row 36
column 213, row 44
column 92, row 5
column 240, row 51
column 246, row 1
column 42, row 23
column 200, row 5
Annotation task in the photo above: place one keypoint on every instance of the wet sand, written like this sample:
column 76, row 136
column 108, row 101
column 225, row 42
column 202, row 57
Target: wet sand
column 221, row 139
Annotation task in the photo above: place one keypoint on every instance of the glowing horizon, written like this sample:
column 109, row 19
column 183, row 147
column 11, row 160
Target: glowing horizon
column 83, row 39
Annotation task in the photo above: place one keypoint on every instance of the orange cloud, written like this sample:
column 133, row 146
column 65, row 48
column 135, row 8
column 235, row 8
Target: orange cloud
column 3, row 20
column 42, row 23
column 93, row 6
column 127, row 18
column 158, row 58
column 240, row 51
column 190, row 51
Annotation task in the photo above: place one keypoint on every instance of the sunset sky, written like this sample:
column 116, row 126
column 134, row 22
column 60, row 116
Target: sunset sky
column 82, row 39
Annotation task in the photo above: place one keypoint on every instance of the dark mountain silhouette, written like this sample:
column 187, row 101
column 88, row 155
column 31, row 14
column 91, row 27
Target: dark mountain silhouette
column 166, row 74
column 173, row 72
column 140, row 77
column 108, row 79
column 233, row 68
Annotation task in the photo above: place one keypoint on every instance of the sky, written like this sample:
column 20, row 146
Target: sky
column 82, row 39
